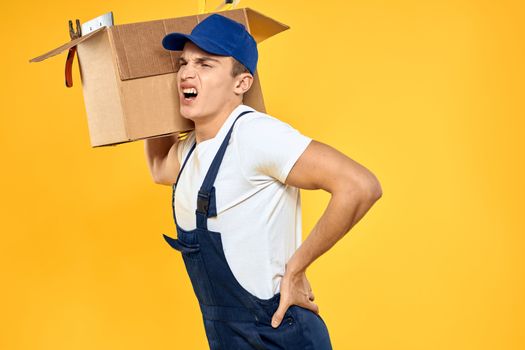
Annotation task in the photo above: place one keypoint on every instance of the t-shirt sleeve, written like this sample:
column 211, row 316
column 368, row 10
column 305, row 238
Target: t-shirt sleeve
column 268, row 146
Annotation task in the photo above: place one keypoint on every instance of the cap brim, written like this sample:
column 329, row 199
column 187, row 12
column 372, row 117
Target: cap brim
column 176, row 41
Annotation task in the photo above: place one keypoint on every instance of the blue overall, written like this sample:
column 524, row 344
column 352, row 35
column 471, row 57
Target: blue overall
column 235, row 319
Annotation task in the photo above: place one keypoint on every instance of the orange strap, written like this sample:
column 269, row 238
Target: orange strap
column 69, row 66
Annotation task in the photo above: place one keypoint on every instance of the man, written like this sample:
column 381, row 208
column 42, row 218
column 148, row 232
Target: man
column 236, row 204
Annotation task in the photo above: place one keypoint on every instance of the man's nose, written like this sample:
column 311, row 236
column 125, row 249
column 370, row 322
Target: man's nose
column 187, row 71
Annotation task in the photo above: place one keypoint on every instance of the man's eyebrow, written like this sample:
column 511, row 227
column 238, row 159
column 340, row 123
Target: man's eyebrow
column 200, row 59
column 206, row 58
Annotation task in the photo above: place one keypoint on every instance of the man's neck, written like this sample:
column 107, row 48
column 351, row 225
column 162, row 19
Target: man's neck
column 207, row 128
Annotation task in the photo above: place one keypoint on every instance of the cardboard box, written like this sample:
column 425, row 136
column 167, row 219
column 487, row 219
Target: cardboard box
column 129, row 80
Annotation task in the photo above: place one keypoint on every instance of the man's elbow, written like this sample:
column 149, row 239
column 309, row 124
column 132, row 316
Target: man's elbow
column 159, row 180
column 161, row 173
column 374, row 189
column 366, row 187
column 165, row 183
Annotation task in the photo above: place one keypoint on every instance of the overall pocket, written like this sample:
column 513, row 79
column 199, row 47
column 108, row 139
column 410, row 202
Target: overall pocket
column 195, row 267
column 182, row 246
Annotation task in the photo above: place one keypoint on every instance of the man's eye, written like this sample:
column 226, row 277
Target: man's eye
column 206, row 65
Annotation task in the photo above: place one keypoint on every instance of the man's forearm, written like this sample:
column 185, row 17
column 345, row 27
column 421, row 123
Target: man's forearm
column 345, row 209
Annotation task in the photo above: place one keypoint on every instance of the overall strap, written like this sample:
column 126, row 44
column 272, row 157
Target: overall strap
column 177, row 181
column 203, row 198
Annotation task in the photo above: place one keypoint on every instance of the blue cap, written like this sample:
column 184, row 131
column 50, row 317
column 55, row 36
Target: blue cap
column 218, row 35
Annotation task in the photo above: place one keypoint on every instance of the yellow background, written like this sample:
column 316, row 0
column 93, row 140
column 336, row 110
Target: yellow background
column 428, row 95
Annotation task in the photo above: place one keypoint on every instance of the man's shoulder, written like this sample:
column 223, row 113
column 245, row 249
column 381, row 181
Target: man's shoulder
column 264, row 130
column 188, row 138
column 260, row 121
column 185, row 143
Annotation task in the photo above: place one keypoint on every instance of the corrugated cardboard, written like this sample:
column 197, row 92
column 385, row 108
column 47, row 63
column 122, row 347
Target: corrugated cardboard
column 129, row 80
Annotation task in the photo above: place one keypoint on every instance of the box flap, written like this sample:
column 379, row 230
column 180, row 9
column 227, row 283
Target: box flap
column 262, row 27
column 139, row 45
column 139, row 49
column 66, row 46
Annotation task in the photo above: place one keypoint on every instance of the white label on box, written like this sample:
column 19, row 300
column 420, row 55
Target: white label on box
column 95, row 23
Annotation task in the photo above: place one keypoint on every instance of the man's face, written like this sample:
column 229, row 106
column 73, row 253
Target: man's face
column 210, row 76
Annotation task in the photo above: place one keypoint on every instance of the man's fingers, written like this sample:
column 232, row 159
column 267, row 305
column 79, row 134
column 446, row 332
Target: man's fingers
column 279, row 314
column 313, row 307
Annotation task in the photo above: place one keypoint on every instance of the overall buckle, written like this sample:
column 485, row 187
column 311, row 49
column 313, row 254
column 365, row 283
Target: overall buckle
column 203, row 202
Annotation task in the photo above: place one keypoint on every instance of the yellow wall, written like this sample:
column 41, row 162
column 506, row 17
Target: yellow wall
column 428, row 95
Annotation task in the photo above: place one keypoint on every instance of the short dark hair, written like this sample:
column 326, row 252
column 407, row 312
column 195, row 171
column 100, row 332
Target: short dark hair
column 238, row 68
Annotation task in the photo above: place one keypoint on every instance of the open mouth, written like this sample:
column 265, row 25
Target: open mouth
column 190, row 94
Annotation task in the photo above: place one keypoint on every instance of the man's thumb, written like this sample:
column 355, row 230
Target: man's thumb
column 278, row 315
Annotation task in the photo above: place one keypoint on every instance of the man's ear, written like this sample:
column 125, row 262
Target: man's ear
column 243, row 83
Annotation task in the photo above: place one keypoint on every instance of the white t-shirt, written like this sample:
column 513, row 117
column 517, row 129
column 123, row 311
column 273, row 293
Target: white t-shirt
column 258, row 216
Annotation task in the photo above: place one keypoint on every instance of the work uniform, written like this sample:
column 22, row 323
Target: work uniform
column 233, row 317
column 251, row 189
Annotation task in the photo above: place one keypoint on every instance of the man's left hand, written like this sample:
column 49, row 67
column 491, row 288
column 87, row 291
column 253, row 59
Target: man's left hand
column 295, row 290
